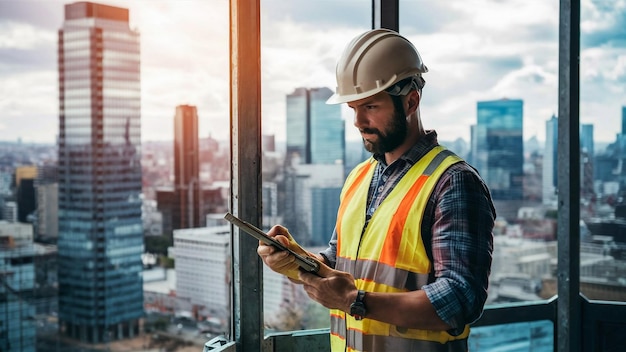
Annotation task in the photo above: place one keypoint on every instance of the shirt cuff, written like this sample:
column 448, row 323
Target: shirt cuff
column 446, row 305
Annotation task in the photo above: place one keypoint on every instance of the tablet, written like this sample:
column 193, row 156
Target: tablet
column 305, row 262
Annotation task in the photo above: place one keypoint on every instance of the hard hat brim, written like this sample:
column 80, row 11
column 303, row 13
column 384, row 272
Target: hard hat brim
column 339, row 99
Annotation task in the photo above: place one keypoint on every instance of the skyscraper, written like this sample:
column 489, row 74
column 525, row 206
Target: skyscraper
column 586, row 139
column 549, row 177
column 181, row 205
column 187, row 165
column 624, row 120
column 100, row 229
column 315, row 136
column 587, row 155
column 315, row 130
column 298, row 126
column 498, row 148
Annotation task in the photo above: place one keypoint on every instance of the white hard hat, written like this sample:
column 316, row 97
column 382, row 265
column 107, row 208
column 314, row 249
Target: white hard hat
column 373, row 62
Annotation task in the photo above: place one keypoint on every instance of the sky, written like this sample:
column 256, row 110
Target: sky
column 476, row 50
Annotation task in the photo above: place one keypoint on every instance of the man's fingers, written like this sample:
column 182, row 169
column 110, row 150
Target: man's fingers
column 325, row 270
column 282, row 239
column 278, row 230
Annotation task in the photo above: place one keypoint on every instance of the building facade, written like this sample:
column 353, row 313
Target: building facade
column 100, row 228
column 202, row 272
column 312, row 200
column 17, row 285
column 47, row 193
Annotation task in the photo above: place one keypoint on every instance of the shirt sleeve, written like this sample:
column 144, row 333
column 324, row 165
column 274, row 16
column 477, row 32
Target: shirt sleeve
column 462, row 246
column 330, row 253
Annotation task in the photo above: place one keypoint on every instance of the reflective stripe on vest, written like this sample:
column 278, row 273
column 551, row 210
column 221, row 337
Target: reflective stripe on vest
column 395, row 262
column 360, row 341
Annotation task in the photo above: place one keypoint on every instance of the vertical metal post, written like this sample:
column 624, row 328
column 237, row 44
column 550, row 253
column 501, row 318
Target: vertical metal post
column 245, row 202
column 569, row 331
column 385, row 14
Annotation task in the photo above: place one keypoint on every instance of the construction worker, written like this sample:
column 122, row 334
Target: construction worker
column 408, row 264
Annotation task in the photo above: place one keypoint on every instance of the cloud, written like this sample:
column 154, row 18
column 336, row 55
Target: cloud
column 421, row 18
column 22, row 36
column 43, row 14
column 29, row 106
column 319, row 13
column 25, row 48
column 296, row 55
column 603, row 65
column 603, row 23
column 475, row 50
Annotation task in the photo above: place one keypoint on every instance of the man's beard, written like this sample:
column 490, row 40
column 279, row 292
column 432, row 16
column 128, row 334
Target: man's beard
column 393, row 136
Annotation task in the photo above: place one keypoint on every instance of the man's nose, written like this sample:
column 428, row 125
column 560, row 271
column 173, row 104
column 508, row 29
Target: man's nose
column 360, row 119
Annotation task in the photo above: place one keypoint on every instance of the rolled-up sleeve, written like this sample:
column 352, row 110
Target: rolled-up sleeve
column 330, row 253
column 462, row 246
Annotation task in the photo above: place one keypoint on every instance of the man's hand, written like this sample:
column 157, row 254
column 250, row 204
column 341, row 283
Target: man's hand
column 332, row 288
column 281, row 261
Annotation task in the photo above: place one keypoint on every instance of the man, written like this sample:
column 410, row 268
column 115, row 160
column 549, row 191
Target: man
column 408, row 264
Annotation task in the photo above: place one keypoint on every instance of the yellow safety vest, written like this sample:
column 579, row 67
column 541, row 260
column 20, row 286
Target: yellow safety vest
column 389, row 256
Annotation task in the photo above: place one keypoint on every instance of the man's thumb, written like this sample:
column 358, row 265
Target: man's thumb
column 324, row 270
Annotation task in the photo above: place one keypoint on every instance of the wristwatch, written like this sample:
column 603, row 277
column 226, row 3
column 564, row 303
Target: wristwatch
column 357, row 308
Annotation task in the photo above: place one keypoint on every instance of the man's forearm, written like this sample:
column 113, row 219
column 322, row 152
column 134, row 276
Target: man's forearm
column 411, row 310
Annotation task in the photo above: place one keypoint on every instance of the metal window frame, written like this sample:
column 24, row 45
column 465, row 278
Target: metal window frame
column 245, row 154
column 568, row 233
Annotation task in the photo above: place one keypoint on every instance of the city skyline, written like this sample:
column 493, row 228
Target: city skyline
column 505, row 50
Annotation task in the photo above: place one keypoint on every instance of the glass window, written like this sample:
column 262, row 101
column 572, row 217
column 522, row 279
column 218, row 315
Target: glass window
column 490, row 93
column 536, row 336
column 602, row 146
column 308, row 146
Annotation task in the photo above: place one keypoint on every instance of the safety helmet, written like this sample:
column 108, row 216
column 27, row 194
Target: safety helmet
column 373, row 62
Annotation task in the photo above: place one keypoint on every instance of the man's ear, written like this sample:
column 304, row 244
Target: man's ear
column 412, row 101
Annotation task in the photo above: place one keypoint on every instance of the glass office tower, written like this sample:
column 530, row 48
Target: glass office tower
column 623, row 120
column 328, row 131
column 100, row 228
column 315, row 130
column 499, row 147
column 298, row 126
column 587, row 155
column 550, row 155
column 315, row 155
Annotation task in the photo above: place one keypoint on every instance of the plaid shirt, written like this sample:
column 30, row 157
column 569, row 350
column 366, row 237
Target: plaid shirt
column 457, row 233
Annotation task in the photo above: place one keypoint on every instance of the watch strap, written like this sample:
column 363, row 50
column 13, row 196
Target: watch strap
column 357, row 308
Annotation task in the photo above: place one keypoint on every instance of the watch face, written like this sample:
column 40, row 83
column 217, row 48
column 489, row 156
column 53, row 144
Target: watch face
column 357, row 309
